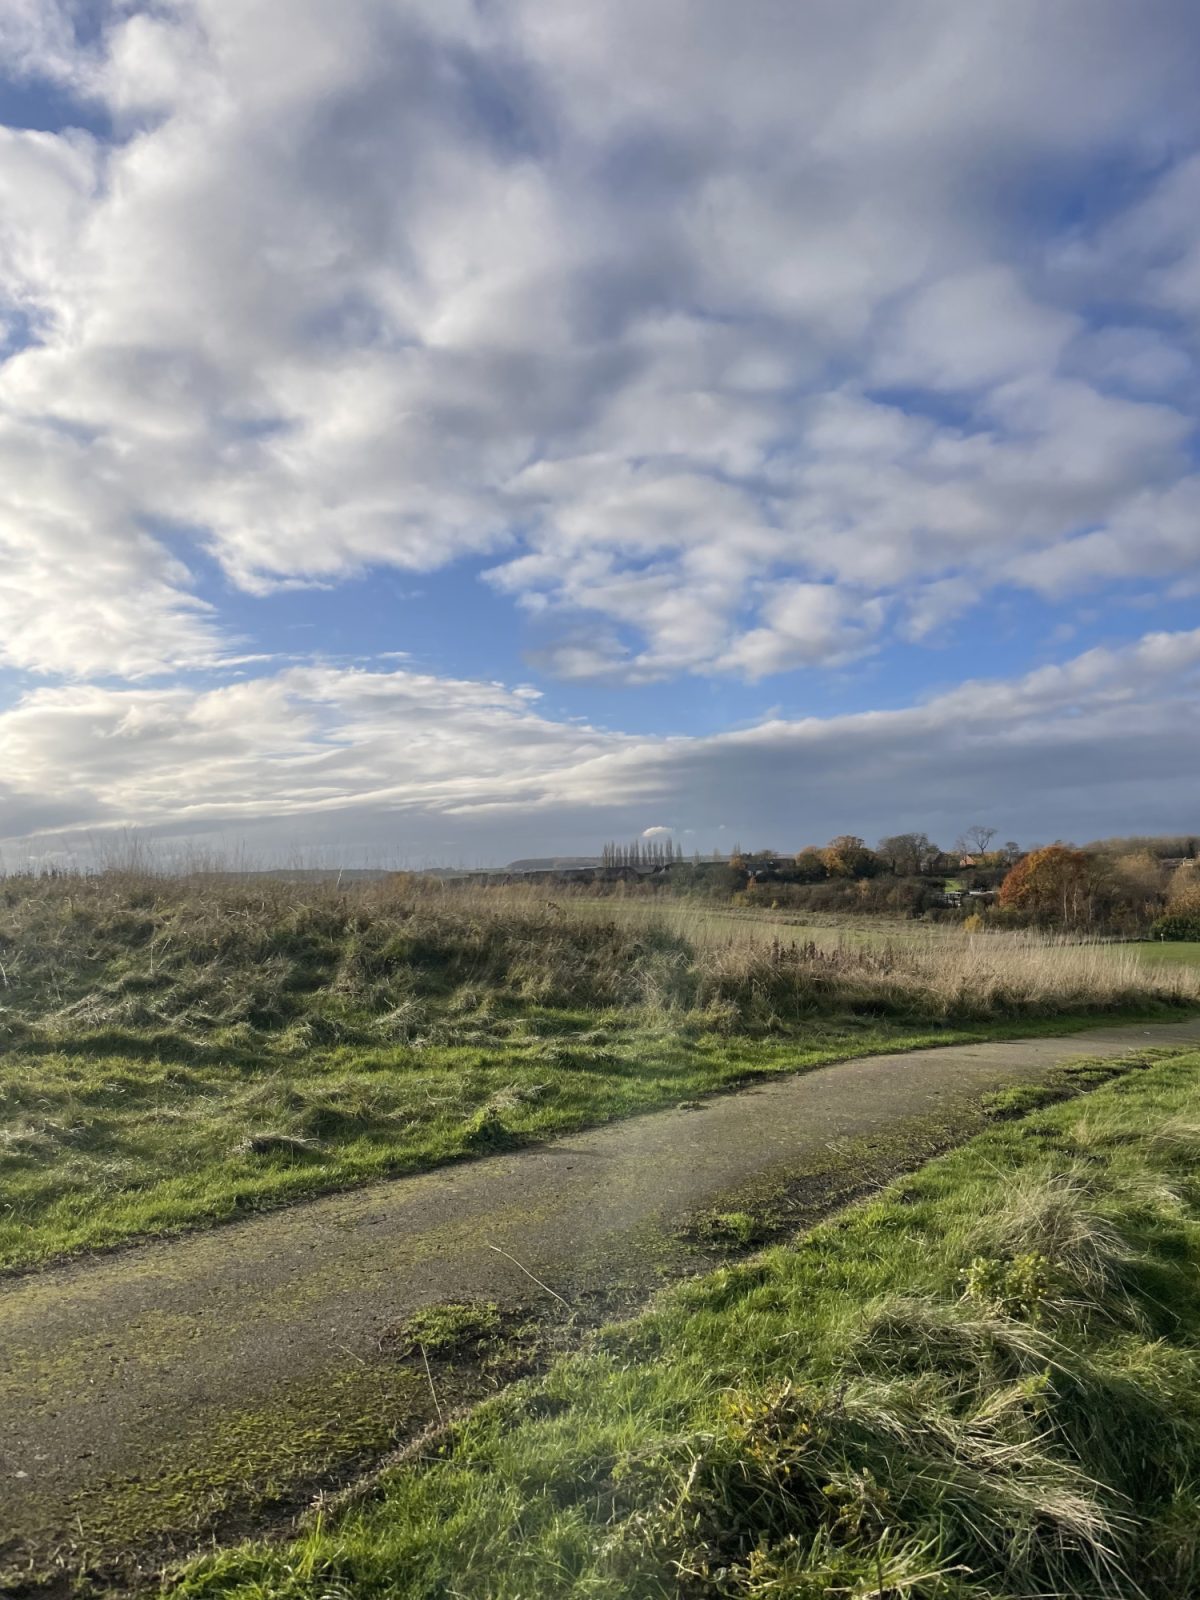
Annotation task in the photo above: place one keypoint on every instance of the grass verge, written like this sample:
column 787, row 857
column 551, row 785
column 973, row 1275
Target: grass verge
column 982, row 1384
column 176, row 1052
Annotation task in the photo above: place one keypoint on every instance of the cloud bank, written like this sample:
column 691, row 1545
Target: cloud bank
column 396, row 766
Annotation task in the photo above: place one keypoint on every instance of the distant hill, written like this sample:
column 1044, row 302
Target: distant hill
column 301, row 874
column 551, row 863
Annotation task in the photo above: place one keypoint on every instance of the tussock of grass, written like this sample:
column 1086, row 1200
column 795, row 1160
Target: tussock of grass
column 849, row 1416
column 1054, row 1221
column 152, row 1028
column 278, row 1144
column 449, row 1327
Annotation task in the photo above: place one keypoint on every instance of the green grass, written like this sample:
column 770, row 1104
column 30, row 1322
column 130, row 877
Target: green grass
column 828, row 929
column 179, row 1051
column 1165, row 953
column 97, row 1145
column 449, row 1327
column 982, row 1385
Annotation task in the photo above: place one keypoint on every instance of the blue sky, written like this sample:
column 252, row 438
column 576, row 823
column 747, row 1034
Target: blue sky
column 479, row 429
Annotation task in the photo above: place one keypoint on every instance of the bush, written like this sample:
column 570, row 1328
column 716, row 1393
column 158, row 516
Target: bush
column 1177, row 925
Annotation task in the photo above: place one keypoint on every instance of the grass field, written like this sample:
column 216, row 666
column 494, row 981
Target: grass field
column 979, row 1386
column 714, row 924
column 178, row 1051
column 1164, row 953
column 717, row 924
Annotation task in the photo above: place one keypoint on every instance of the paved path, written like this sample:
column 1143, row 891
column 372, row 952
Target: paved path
column 154, row 1389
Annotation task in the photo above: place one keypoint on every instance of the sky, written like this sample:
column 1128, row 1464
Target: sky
column 452, row 430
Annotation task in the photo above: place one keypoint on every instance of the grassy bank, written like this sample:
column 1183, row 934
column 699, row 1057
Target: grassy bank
column 981, row 1385
column 175, row 1051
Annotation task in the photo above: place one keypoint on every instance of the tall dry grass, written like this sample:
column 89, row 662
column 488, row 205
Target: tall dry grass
column 206, row 950
column 972, row 975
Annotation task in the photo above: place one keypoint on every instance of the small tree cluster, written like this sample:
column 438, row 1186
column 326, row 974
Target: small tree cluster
column 908, row 855
column 1182, row 917
column 847, row 856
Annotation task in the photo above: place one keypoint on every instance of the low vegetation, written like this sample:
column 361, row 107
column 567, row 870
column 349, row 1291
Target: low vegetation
column 981, row 1385
column 179, row 1050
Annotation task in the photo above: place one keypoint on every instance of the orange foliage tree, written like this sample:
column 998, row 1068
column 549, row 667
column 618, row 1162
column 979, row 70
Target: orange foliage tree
column 1052, row 885
column 848, row 857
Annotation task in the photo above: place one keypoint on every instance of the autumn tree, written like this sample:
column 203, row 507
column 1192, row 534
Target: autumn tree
column 848, row 857
column 1139, row 875
column 1182, row 918
column 810, row 866
column 1054, row 884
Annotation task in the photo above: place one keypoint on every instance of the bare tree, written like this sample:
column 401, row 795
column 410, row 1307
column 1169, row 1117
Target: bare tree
column 975, row 840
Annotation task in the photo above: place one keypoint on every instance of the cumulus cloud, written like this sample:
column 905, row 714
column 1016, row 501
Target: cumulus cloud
column 399, row 763
column 805, row 623
column 733, row 338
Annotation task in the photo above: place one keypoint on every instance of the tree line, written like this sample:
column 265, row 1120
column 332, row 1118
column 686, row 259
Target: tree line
column 660, row 852
column 1136, row 886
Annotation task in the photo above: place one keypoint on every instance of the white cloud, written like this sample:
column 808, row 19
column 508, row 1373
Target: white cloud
column 935, row 604
column 805, row 623
column 37, row 36
column 1153, row 248
column 47, row 186
column 83, row 591
column 150, row 64
column 1133, row 360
